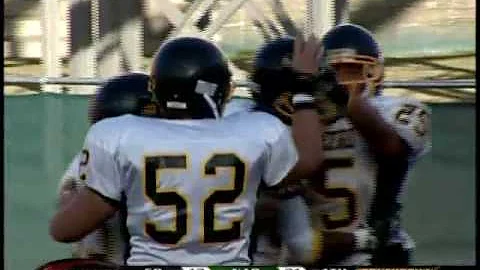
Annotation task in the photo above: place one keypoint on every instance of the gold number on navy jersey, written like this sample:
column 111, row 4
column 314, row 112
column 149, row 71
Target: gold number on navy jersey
column 166, row 197
column 344, row 193
column 408, row 113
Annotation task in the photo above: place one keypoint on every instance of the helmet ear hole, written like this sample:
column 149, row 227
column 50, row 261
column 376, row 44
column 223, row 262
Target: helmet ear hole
column 369, row 75
column 372, row 71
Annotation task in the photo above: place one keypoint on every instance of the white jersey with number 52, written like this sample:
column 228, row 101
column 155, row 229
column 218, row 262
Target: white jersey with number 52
column 191, row 185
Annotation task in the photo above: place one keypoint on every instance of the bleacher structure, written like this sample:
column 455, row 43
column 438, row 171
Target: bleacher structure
column 98, row 39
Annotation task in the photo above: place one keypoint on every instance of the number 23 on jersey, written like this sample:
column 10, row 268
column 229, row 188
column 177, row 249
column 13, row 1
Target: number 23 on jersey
column 154, row 165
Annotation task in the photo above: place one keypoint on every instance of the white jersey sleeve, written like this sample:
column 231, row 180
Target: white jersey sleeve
column 411, row 120
column 281, row 157
column 108, row 241
column 70, row 176
column 237, row 104
column 100, row 163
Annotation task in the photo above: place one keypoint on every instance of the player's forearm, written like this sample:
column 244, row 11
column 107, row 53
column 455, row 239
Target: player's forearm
column 336, row 246
column 67, row 188
column 327, row 247
column 63, row 230
column 306, row 123
column 307, row 131
column 80, row 216
column 380, row 136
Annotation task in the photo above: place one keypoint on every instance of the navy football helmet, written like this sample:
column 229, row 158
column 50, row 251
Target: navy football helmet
column 120, row 95
column 272, row 69
column 354, row 55
column 272, row 76
column 190, row 75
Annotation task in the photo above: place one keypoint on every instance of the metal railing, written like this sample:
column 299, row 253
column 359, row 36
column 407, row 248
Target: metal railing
column 23, row 80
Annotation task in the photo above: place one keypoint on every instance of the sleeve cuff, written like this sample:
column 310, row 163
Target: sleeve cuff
column 113, row 202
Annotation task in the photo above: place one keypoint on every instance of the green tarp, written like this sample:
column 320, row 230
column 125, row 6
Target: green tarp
column 43, row 132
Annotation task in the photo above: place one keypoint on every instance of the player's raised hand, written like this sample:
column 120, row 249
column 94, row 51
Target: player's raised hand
column 306, row 55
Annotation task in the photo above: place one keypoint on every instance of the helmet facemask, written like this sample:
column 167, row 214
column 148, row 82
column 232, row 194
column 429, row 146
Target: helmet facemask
column 354, row 71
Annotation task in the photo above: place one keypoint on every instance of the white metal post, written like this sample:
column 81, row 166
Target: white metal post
column 196, row 9
column 320, row 17
column 223, row 15
column 253, row 11
column 131, row 36
column 308, row 19
column 342, row 12
column 50, row 43
column 106, row 38
column 53, row 108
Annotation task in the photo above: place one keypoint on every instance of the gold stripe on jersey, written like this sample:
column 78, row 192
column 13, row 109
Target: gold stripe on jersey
column 317, row 246
column 229, row 187
column 173, row 227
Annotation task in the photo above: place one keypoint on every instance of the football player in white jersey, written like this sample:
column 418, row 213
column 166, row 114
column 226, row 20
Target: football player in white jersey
column 191, row 177
column 370, row 144
column 370, row 150
column 119, row 95
column 238, row 104
column 285, row 224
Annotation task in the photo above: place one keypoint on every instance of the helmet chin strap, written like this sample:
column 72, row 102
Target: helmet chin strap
column 366, row 91
column 212, row 105
column 206, row 89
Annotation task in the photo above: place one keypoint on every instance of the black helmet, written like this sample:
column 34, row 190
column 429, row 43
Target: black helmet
column 190, row 75
column 120, row 95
